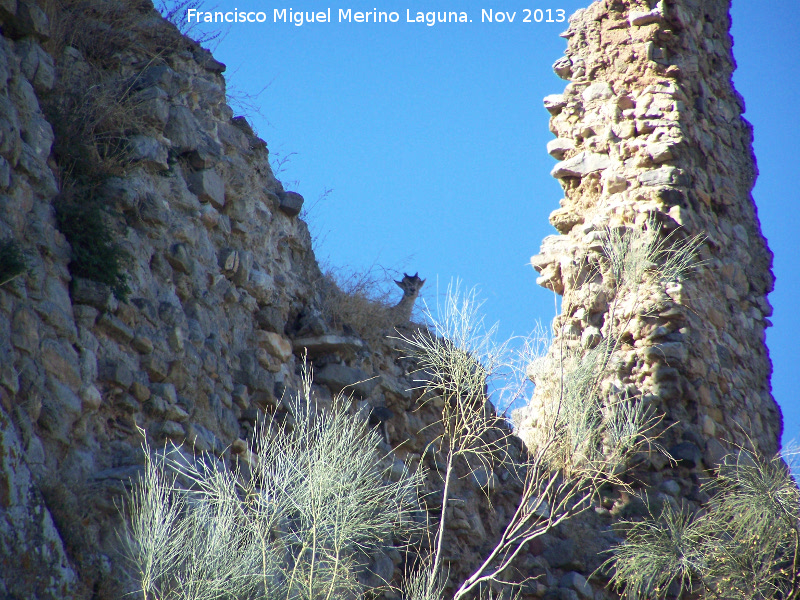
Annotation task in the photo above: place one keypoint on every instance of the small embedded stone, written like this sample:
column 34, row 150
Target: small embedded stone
column 638, row 18
column 229, row 260
column 560, row 146
column 140, row 391
column 686, row 453
column 174, row 412
column 664, row 176
column 577, row 582
column 97, row 295
column 290, row 203
column 117, row 373
column 172, row 430
column 208, row 186
column 554, row 103
column 91, row 399
column 115, row 328
column 142, row 344
column 127, row 403
column 274, row 343
column 581, row 164
column 238, row 446
column 155, row 366
column 563, row 67
column 178, row 257
column 597, row 91
column 148, row 150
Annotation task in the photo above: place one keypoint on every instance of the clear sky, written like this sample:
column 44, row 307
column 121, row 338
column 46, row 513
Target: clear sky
column 432, row 140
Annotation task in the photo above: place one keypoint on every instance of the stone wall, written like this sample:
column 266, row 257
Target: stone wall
column 226, row 295
column 649, row 129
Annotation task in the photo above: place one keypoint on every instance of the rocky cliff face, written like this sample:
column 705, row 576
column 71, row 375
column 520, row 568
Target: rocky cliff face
column 170, row 286
column 116, row 141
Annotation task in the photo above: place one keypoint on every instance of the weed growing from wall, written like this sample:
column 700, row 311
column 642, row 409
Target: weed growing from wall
column 95, row 254
column 579, row 438
column 743, row 545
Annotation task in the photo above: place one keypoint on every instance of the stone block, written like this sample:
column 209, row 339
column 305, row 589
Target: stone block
column 179, row 259
column 25, row 331
column 116, row 373
column 142, row 344
column 290, row 203
column 664, row 176
column 554, row 103
column 61, row 407
column 581, row 164
column 61, row 361
column 341, row 378
column 577, row 582
column 326, row 344
column 277, row 345
column 563, row 67
column 208, row 186
column 36, row 64
column 639, row 18
column 271, row 318
column 172, row 430
column 560, row 146
column 687, row 454
column 148, row 151
column 155, row 366
column 597, row 91
column 175, row 412
column 91, row 399
column 155, row 75
column 115, row 328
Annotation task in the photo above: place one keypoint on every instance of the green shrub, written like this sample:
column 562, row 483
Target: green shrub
column 12, row 261
column 743, row 545
column 95, row 254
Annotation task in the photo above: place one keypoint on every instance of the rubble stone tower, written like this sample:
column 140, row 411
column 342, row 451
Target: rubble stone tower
column 650, row 127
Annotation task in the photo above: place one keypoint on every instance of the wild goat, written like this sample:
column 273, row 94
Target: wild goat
column 401, row 312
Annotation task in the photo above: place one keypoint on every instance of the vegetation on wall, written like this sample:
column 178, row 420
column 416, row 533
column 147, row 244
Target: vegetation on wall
column 585, row 440
column 292, row 523
column 743, row 545
column 95, row 254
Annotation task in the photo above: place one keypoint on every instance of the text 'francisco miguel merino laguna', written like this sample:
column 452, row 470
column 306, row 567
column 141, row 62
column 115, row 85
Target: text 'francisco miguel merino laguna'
column 345, row 15
column 348, row 15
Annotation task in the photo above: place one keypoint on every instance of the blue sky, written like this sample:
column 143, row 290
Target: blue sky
column 432, row 140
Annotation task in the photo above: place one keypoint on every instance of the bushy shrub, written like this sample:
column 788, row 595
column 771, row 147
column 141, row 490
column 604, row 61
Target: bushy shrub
column 95, row 254
column 743, row 545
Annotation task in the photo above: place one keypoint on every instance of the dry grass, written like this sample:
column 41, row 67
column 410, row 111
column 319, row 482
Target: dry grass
column 359, row 302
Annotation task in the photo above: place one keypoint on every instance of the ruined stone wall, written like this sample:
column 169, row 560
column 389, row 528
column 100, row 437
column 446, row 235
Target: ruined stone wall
column 649, row 128
column 225, row 297
column 226, row 293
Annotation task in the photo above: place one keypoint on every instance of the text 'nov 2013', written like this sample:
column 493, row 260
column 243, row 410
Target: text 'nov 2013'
column 299, row 18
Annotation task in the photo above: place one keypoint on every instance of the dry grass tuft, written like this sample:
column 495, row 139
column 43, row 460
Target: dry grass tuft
column 359, row 301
